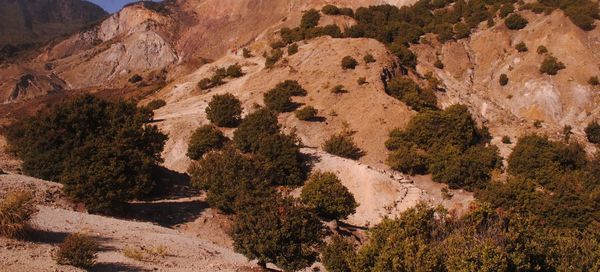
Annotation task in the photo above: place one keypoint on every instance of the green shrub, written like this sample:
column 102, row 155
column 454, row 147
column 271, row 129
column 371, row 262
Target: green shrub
column 220, row 73
column 235, row 70
column 280, row 159
column 224, row 110
column 103, row 152
column 156, row 104
column 349, row 63
column 292, row 49
column 273, row 58
column 326, row 194
column 16, row 210
column 277, row 230
column 330, row 10
column 278, row 44
column 292, row 87
column 409, row 159
column 521, row 47
column 542, row 50
column 310, row 19
column 592, row 132
column 470, row 170
column 407, row 57
column 78, row 250
column 307, row 113
column 407, row 91
column 338, row 255
column 506, row 9
column 205, row 84
column 461, row 31
column 203, row 140
column 594, row 81
column 279, row 100
column 362, row 81
column 368, row 58
column 551, row 66
column 503, row 80
column 343, row 145
column 339, row 89
column 515, row 22
column 253, row 128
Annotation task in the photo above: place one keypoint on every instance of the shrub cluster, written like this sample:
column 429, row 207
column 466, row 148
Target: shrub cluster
column 224, row 110
column 406, row 90
column 279, row 99
column 582, row 13
column 446, row 144
column 292, row 49
column 551, row 66
column 542, row 50
column 103, row 152
column 307, row 113
column 234, row 71
column 333, row 10
column 515, row 22
column 204, row 139
column 156, row 104
column 16, row 209
column 273, row 57
column 349, row 63
column 343, row 145
column 78, row 250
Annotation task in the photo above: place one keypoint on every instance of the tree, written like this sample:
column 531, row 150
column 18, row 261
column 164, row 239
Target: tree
column 292, row 49
column 280, row 159
column 224, row 110
column 408, row 159
column 325, row 193
column 349, row 63
column 407, row 57
column 253, row 128
column 592, row 131
column 342, row 145
column 277, row 230
column 103, row 152
column 470, row 170
column 307, row 113
column 203, row 140
column 330, row 10
column 551, row 66
column 292, row 87
column 515, row 22
column 310, row 19
column 235, row 70
column 409, row 92
column 279, row 100
column 338, row 255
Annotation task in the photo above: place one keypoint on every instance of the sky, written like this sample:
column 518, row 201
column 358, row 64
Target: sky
column 112, row 5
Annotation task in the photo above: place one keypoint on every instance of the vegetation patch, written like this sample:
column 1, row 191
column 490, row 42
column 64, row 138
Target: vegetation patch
column 16, row 210
column 327, row 196
column 204, row 139
column 406, row 90
column 551, row 66
column 224, row 110
column 78, row 250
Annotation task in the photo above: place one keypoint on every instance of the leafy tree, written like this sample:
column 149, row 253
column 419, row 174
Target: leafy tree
column 325, row 193
column 330, row 10
column 279, row 100
column 224, row 175
column 280, row 159
column 253, row 128
column 349, row 63
column 461, row 31
column 470, row 170
column 408, row 159
column 342, row 145
column 592, row 131
column 307, row 113
column 277, row 230
column 204, row 84
column 203, row 140
column 310, row 19
column 339, row 89
column 406, row 90
column 103, row 152
column 515, row 22
column 224, row 110
column 503, row 80
column 407, row 57
column 338, row 255
column 506, row 9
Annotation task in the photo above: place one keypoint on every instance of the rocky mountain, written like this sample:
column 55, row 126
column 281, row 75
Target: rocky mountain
column 34, row 21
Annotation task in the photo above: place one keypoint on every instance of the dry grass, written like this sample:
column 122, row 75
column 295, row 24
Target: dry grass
column 15, row 211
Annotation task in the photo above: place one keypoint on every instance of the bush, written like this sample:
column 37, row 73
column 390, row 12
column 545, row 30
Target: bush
column 78, row 250
column 338, row 255
column 515, row 22
column 253, row 128
column 330, row 10
column 551, row 66
column 408, row 159
column 503, row 80
column 407, row 57
column 342, row 145
column 278, row 44
column 247, row 53
column 292, row 87
column 521, row 47
column 349, row 63
column 15, row 211
column 347, row 12
column 461, row 31
column 339, row 89
column 279, row 231
column 506, row 9
column 470, row 170
column 292, row 49
column 103, row 152
column 506, row 140
column 326, row 194
column 280, row 159
column 156, row 104
column 362, row 81
column 135, row 78
column 235, row 70
column 204, row 84
column 592, row 132
column 438, row 64
column 594, row 81
column 203, row 140
column 307, row 113
column 542, row 50
column 273, row 58
column 279, row 100
column 310, row 19
column 368, row 58
column 407, row 91
column 224, row 110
